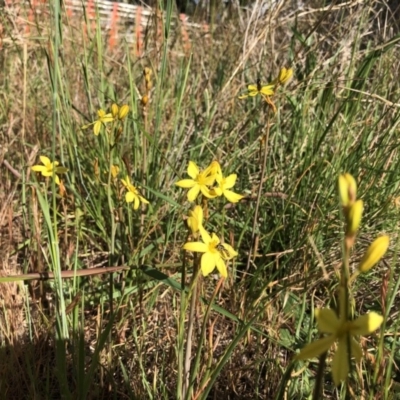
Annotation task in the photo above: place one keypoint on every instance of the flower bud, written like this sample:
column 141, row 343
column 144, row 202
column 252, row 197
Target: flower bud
column 114, row 171
column 354, row 217
column 147, row 72
column 195, row 219
column 285, row 75
column 374, row 253
column 347, row 189
column 145, row 100
column 114, row 110
column 149, row 85
column 123, row 111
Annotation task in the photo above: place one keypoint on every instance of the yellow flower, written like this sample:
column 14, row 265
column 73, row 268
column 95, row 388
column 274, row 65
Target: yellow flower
column 215, row 252
column 375, row 252
column 200, row 182
column 102, row 120
column 133, row 194
column 224, row 184
column 263, row 90
column 195, row 219
column 343, row 331
column 49, row 168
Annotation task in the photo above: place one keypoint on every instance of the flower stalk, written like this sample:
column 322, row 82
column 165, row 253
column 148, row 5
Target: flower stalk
column 339, row 326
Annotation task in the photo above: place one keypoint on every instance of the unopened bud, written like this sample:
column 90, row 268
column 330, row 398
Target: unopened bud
column 354, row 217
column 374, row 253
column 285, row 75
column 347, row 189
column 123, row 111
column 145, row 100
column 114, row 110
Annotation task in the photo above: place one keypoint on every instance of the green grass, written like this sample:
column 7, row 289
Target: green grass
column 124, row 334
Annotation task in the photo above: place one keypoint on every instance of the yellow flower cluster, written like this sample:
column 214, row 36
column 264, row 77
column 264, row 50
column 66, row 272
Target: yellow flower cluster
column 117, row 113
column 210, row 182
column 214, row 252
column 265, row 91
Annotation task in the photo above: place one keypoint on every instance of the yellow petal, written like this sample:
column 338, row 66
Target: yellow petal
column 327, row 320
column 366, row 324
column 193, row 170
column 356, row 350
column 193, row 193
column 205, row 235
column 253, row 93
column 56, row 179
column 207, row 192
column 207, row 263
column 229, row 182
column 107, row 118
column 210, row 179
column 267, row 90
column 231, row 251
column 197, row 247
column 96, row 127
column 46, row 172
column 185, row 183
column 129, row 197
column 136, row 203
column 213, row 169
column 252, row 88
column 243, row 96
column 38, row 168
column 221, row 267
column 316, row 348
column 340, row 362
column 45, row 160
column 143, row 200
column 232, row 196
column 374, row 253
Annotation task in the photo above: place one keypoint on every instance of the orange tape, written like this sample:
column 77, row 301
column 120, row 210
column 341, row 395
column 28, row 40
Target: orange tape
column 185, row 35
column 138, row 32
column 114, row 27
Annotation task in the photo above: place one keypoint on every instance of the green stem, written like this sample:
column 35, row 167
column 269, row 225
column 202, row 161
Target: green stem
column 319, row 380
column 189, row 342
column 253, row 247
